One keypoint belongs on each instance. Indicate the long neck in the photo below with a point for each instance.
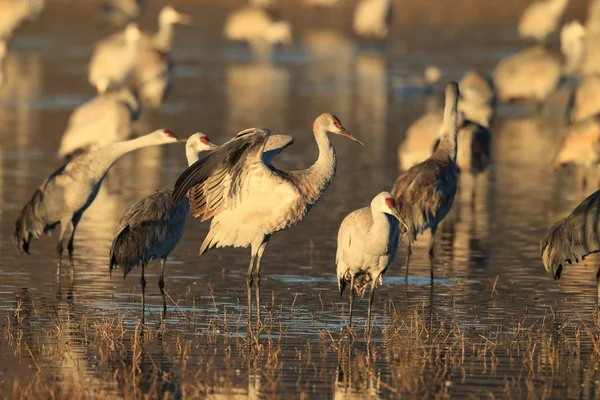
(574, 52)
(100, 161)
(317, 178)
(191, 155)
(163, 39)
(381, 223)
(448, 131)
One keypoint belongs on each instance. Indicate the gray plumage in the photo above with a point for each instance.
(425, 193)
(105, 119)
(573, 238)
(113, 63)
(151, 228)
(367, 244)
(70, 190)
(474, 150)
(248, 199)
(534, 73)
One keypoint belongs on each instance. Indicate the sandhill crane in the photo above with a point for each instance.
(257, 27)
(13, 13)
(534, 73)
(367, 244)
(474, 151)
(151, 228)
(112, 64)
(425, 193)
(105, 119)
(541, 18)
(121, 12)
(162, 40)
(477, 98)
(585, 99)
(71, 189)
(372, 18)
(573, 238)
(580, 146)
(249, 200)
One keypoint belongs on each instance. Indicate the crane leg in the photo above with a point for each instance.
(64, 226)
(261, 250)
(351, 300)
(432, 251)
(74, 223)
(371, 297)
(249, 287)
(143, 284)
(161, 286)
(408, 254)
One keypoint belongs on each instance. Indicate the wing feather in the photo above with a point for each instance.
(224, 178)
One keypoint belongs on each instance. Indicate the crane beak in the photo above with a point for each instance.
(399, 218)
(350, 136)
(213, 146)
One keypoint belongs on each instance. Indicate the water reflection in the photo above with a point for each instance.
(355, 375)
(257, 96)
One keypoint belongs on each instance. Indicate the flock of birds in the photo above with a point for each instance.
(248, 200)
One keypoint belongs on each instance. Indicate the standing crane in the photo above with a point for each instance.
(425, 193)
(154, 68)
(71, 189)
(113, 64)
(534, 73)
(367, 244)
(151, 228)
(249, 200)
(573, 238)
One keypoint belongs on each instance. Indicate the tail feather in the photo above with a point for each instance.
(127, 251)
(29, 224)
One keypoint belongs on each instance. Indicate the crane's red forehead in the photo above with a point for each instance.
(204, 139)
(391, 203)
(169, 133)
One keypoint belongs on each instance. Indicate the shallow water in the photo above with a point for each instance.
(492, 325)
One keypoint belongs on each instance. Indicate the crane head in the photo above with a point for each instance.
(332, 124)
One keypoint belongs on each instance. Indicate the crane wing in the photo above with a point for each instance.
(221, 179)
(574, 237)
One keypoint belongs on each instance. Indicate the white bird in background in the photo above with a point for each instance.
(113, 64)
(372, 18)
(151, 228)
(71, 189)
(541, 19)
(534, 73)
(573, 238)
(249, 200)
(257, 27)
(580, 147)
(425, 193)
(105, 119)
(367, 244)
